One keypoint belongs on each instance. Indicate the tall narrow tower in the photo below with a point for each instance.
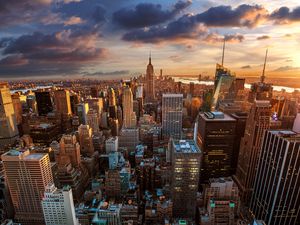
(150, 81)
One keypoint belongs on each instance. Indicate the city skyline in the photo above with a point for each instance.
(105, 39)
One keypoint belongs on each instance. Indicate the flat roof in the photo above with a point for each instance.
(186, 146)
(173, 95)
(217, 117)
(35, 156)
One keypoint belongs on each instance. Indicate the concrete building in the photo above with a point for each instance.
(85, 140)
(107, 214)
(129, 138)
(8, 123)
(172, 106)
(58, 206)
(186, 158)
(69, 151)
(62, 102)
(82, 111)
(150, 93)
(27, 177)
(112, 145)
(93, 121)
(216, 137)
(258, 121)
(129, 116)
(44, 102)
(275, 197)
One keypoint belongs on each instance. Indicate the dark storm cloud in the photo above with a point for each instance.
(242, 16)
(21, 11)
(263, 37)
(285, 15)
(184, 28)
(91, 10)
(147, 14)
(61, 50)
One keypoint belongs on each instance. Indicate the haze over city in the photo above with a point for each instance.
(112, 38)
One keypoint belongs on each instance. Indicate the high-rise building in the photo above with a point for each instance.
(27, 175)
(150, 93)
(275, 197)
(129, 117)
(82, 111)
(69, 151)
(8, 123)
(17, 107)
(93, 121)
(129, 138)
(44, 102)
(112, 145)
(62, 102)
(186, 158)
(216, 137)
(85, 140)
(58, 206)
(112, 107)
(258, 121)
(172, 105)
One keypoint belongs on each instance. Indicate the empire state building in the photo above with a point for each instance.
(150, 82)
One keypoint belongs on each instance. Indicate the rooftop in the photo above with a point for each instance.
(216, 116)
(186, 146)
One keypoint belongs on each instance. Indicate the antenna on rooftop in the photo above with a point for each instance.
(263, 77)
(223, 51)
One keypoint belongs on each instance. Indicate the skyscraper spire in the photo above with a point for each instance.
(263, 77)
(223, 51)
(150, 58)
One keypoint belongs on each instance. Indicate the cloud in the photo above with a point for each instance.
(15, 11)
(147, 14)
(246, 67)
(284, 15)
(13, 60)
(229, 38)
(286, 68)
(225, 16)
(57, 52)
(263, 37)
(113, 73)
(181, 29)
(90, 10)
(176, 58)
(73, 20)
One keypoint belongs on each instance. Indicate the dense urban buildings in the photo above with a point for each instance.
(148, 150)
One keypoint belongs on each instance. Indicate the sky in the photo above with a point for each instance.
(113, 38)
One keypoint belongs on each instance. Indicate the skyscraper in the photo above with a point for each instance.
(172, 105)
(58, 206)
(275, 197)
(150, 94)
(27, 176)
(44, 102)
(85, 140)
(93, 121)
(112, 107)
(82, 110)
(216, 137)
(8, 124)
(62, 102)
(258, 121)
(129, 117)
(186, 158)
